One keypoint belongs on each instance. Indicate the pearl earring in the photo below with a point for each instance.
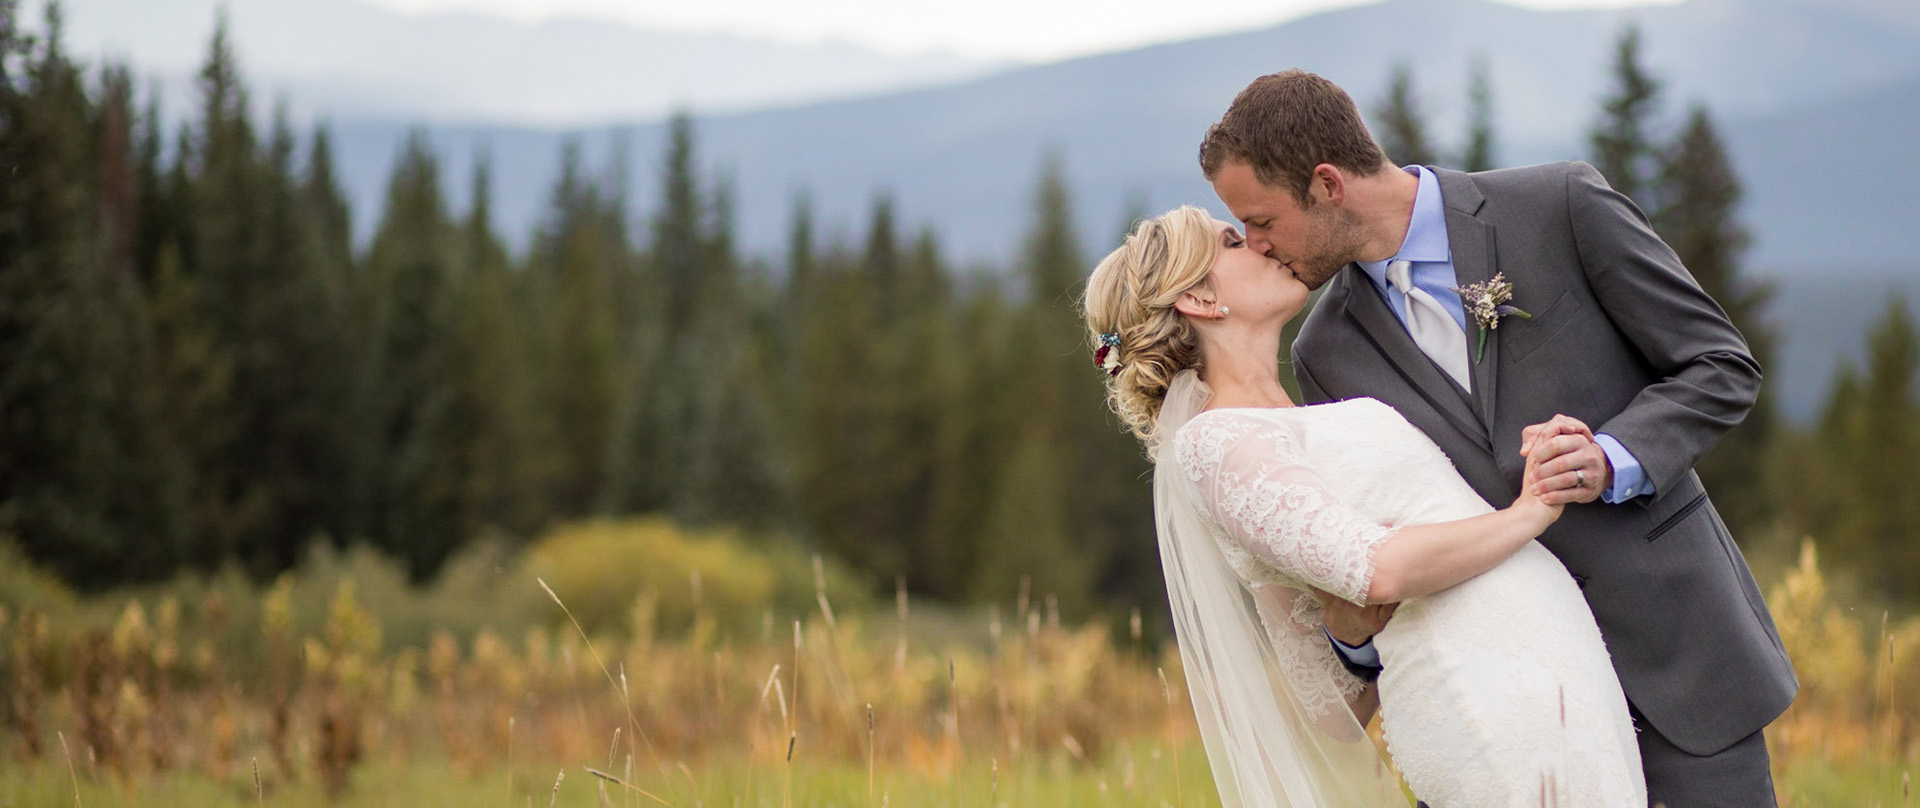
(1223, 311)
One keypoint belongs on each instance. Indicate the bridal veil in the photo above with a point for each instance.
(1265, 746)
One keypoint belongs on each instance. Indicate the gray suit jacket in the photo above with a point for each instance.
(1625, 340)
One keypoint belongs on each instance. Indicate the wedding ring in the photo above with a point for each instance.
(1579, 478)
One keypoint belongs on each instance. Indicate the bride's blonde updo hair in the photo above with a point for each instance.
(1131, 294)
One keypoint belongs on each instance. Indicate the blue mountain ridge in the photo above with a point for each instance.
(1816, 100)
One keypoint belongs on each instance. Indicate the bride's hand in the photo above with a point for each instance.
(1351, 624)
(1529, 504)
(1558, 425)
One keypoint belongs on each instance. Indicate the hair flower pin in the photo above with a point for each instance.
(1486, 303)
(1107, 356)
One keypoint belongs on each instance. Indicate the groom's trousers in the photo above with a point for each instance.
(1735, 777)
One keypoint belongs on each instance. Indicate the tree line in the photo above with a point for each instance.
(198, 367)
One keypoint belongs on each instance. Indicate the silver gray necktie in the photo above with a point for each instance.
(1433, 329)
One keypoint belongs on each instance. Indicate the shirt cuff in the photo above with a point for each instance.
(1365, 656)
(1629, 479)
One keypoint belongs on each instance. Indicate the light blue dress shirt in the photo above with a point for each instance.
(1431, 255)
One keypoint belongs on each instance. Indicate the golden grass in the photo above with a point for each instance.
(847, 704)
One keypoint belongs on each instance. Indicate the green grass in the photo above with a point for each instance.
(1130, 774)
(1053, 778)
(1813, 783)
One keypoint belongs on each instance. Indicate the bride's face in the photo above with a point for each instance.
(1256, 289)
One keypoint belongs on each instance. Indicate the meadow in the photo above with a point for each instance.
(627, 663)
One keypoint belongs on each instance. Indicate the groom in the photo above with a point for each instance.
(1621, 338)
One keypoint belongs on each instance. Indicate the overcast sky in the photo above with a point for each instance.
(1033, 30)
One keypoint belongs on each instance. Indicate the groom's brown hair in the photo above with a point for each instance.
(1284, 124)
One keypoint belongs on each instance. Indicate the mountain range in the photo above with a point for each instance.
(348, 59)
(1788, 81)
(1817, 100)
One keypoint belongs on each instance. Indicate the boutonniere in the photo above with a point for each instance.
(1486, 303)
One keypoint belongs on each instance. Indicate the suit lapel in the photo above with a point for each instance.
(1377, 323)
(1472, 244)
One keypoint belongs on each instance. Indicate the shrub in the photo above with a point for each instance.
(602, 568)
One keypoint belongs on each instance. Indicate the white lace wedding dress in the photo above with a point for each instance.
(1497, 691)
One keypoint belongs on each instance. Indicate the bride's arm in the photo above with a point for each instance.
(1423, 559)
(1274, 505)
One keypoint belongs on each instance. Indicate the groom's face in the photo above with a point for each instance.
(1313, 239)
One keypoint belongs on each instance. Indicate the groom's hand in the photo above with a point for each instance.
(1350, 624)
(1559, 425)
(1570, 466)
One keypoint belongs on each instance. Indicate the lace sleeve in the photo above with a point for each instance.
(1295, 627)
(1255, 483)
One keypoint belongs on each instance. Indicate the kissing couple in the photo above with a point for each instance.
(1518, 337)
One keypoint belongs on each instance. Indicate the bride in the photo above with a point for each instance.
(1497, 689)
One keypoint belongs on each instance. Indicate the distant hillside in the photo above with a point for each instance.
(1833, 185)
(1825, 319)
(350, 59)
(1817, 98)
(962, 158)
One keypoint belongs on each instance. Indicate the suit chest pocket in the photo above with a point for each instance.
(1519, 338)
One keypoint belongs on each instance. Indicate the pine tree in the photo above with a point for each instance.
(1478, 154)
(511, 451)
(409, 466)
(647, 469)
(235, 269)
(912, 351)
(1623, 146)
(323, 206)
(294, 415)
(801, 260)
(1402, 130)
(79, 484)
(1030, 528)
(1700, 193)
(187, 369)
(975, 372)
(156, 220)
(883, 260)
(678, 227)
(801, 285)
(646, 466)
(1849, 482)
(844, 408)
(1887, 515)
(732, 475)
(576, 261)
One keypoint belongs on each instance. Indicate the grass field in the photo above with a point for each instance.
(341, 686)
(1134, 775)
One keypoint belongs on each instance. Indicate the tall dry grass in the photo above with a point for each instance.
(149, 693)
(1859, 675)
(163, 687)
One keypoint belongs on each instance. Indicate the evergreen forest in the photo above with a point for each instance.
(202, 367)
